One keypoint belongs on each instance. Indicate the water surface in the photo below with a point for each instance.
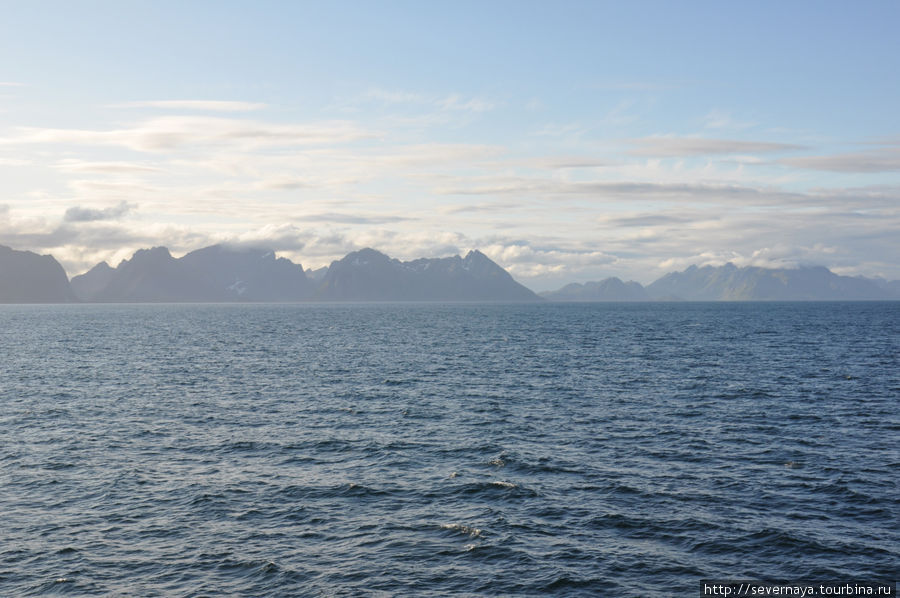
(421, 449)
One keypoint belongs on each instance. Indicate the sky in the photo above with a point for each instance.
(568, 141)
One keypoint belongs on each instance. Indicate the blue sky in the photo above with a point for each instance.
(568, 141)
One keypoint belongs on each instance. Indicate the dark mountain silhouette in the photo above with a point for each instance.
(609, 289)
(213, 274)
(27, 277)
(369, 275)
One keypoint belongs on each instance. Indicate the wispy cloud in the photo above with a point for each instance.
(718, 119)
(451, 102)
(174, 132)
(106, 188)
(287, 183)
(630, 190)
(395, 96)
(569, 130)
(201, 105)
(648, 86)
(495, 207)
(339, 218)
(457, 102)
(568, 162)
(12, 84)
(886, 160)
(674, 147)
(644, 220)
(82, 166)
(14, 162)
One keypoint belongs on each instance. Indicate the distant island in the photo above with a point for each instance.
(223, 273)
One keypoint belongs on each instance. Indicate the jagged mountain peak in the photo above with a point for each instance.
(369, 275)
(366, 256)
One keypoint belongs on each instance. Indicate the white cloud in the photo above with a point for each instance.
(523, 259)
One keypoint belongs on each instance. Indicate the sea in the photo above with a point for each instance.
(620, 449)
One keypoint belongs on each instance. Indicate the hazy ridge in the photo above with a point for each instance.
(731, 283)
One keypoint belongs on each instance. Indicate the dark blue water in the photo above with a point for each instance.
(345, 450)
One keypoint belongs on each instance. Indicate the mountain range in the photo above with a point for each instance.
(251, 274)
(731, 283)
(223, 273)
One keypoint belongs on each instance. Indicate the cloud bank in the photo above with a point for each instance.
(550, 208)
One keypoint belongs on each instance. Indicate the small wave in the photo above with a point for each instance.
(58, 465)
(252, 568)
(497, 488)
(395, 382)
(466, 530)
(504, 484)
